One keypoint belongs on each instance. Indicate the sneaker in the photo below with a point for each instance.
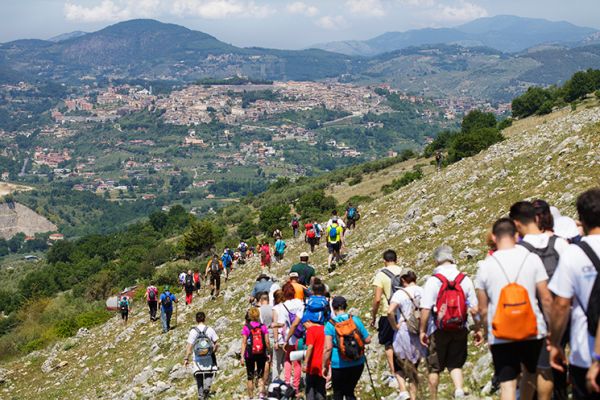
(459, 394)
(403, 396)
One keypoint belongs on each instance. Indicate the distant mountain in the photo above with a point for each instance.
(504, 32)
(155, 50)
(67, 36)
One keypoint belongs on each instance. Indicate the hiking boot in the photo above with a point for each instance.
(459, 394)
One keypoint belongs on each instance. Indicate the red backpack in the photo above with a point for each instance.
(451, 304)
(256, 340)
(311, 234)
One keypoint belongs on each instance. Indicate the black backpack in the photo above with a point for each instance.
(593, 307)
(396, 282)
(166, 302)
(548, 254)
(215, 268)
(189, 282)
(123, 306)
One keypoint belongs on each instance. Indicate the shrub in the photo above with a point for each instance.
(273, 217)
(505, 123)
(404, 180)
(92, 318)
(471, 143)
(530, 102)
(66, 328)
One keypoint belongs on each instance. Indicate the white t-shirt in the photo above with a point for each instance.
(282, 332)
(340, 222)
(405, 303)
(274, 287)
(210, 332)
(540, 241)
(574, 278)
(295, 306)
(492, 280)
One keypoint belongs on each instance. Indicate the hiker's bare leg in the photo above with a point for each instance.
(389, 356)
(433, 380)
(412, 390)
(250, 388)
(457, 378)
(508, 390)
(545, 384)
(527, 386)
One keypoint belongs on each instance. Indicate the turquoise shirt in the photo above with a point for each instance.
(336, 360)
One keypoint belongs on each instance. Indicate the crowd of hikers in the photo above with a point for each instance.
(534, 300)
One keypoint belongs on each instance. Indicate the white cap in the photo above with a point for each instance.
(565, 228)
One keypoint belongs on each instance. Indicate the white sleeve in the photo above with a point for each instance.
(562, 283)
(192, 336)
(480, 278)
(470, 292)
(430, 292)
(397, 297)
(560, 245)
(212, 334)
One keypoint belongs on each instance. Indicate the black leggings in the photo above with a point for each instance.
(344, 381)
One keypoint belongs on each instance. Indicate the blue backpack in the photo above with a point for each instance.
(333, 232)
(317, 310)
(351, 212)
(226, 260)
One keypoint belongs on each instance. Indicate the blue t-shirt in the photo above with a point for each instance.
(162, 299)
(336, 360)
(226, 259)
(280, 246)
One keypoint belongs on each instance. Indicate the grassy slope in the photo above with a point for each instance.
(553, 157)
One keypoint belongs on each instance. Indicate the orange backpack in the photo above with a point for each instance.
(350, 343)
(514, 318)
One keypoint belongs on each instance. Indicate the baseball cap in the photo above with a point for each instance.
(565, 228)
(294, 275)
(443, 254)
(263, 276)
(339, 302)
(304, 255)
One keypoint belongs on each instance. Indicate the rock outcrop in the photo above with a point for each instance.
(15, 218)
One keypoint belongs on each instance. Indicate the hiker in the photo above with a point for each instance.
(576, 289)
(197, 284)
(566, 228)
(227, 261)
(152, 300)
(263, 285)
(279, 335)
(279, 249)
(189, 287)
(124, 308)
(277, 234)
(352, 215)
(439, 159)
(295, 226)
(182, 278)
(243, 249)
(404, 317)
(266, 318)
(334, 235)
(265, 256)
(300, 291)
(535, 225)
(256, 351)
(166, 308)
(293, 309)
(345, 340)
(338, 220)
(446, 338)
(306, 273)
(202, 341)
(316, 314)
(214, 269)
(509, 282)
(318, 231)
(310, 236)
(382, 287)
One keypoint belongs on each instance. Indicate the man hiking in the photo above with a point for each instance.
(295, 226)
(334, 235)
(197, 281)
(214, 269)
(382, 287)
(152, 300)
(166, 308)
(189, 287)
(280, 247)
(124, 308)
(202, 344)
(509, 282)
(548, 248)
(306, 273)
(448, 296)
(345, 340)
(316, 313)
(439, 159)
(263, 285)
(352, 215)
(576, 287)
(277, 234)
(227, 261)
(310, 236)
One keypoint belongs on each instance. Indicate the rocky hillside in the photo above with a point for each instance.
(15, 218)
(554, 157)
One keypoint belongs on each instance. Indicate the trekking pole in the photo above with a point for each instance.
(371, 379)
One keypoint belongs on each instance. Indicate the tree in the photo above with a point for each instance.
(247, 230)
(467, 144)
(16, 242)
(578, 86)
(314, 203)
(273, 217)
(530, 102)
(477, 119)
(158, 220)
(200, 238)
(61, 251)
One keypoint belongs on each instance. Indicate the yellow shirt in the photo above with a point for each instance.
(381, 280)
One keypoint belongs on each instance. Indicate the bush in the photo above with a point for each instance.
(477, 119)
(597, 93)
(505, 123)
(315, 204)
(530, 102)
(468, 144)
(66, 328)
(92, 318)
(404, 180)
(545, 108)
(273, 217)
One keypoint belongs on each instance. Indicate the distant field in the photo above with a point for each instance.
(8, 188)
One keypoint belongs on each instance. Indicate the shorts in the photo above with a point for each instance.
(255, 367)
(334, 247)
(124, 315)
(508, 357)
(197, 285)
(447, 349)
(385, 333)
(544, 359)
(215, 280)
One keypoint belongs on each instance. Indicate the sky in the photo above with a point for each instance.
(278, 23)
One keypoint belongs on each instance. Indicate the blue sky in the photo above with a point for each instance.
(278, 23)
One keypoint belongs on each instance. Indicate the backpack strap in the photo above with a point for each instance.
(504, 272)
(529, 246)
(412, 299)
(591, 254)
(391, 276)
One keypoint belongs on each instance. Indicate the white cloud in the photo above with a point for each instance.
(118, 10)
(371, 8)
(299, 7)
(461, 12)
(331, 23)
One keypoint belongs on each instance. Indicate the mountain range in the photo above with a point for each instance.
(507, 33)
(475, 60)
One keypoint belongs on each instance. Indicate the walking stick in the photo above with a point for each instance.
(371, 378)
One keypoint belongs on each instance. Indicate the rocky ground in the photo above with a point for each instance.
(555, 158)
